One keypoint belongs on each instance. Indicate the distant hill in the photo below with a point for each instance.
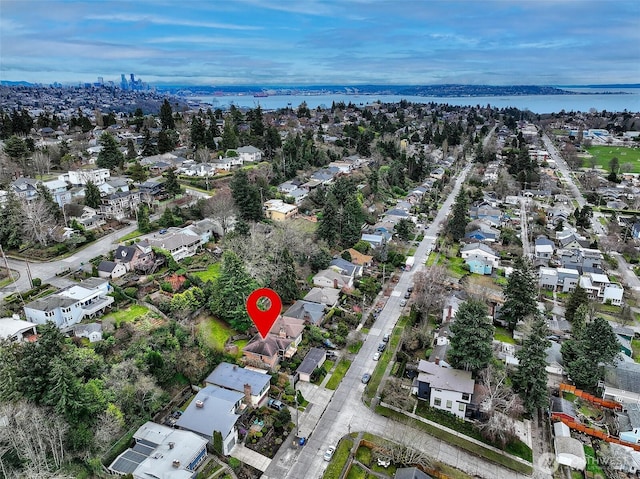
(16, 83)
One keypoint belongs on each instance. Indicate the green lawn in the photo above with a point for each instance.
(356, 472)
(385, 358)
(340, 458)
(604, 154)
(210, 274)
(338, 374)
(457, 267)
(353, 348)
(130, 236)
(635, 346)
(592, 462)
(216, 332)
(126, 315)
(502, 334)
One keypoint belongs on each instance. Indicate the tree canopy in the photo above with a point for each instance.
(519, 293)
(110, 156)
(472, 334)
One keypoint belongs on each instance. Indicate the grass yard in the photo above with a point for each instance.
(354, 347)
(385, 358)
(130, 236)
(340, 458)
(210, 274)
(604, 154)
(592, 463)
(338, 374)
(635, 346)
(125, 315)
(456, 267)
(304, 226)
(502, 334)
(356, 472)
(215, 332)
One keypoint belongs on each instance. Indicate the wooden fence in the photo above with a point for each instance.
(616, 406)
(594, 432)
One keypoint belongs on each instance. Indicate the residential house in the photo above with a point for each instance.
(181, 243)
(313, 360)
(558, 279)
(343, 166)
(137, 257)
(59, 191)
(543, 249)
(629, 422)
(267, 352)
(582, 259)
(214, 409)
(96, 176)
(329, 278)
(627, 459)
(71, 305)
(25, 188)
(111, 269)
(411, 473)
(326, 296)
(206, 228)
(289, 328)
(622, 382)
(598, 287)
(152, 192)
(249, 154)
(486, 212)
(288, 186)
(312, 313)
(483, 233)
(445, 388)
(359, 258)
(278, 210)
(113, 185)
(91, 331)
(346, 268)
(90, 218)
(555, 363)
(570, 240)
(624, 336)
(243, 380)
(375, 240)
(120, 205)
(161, 452)
(15, 329)
(480, 258)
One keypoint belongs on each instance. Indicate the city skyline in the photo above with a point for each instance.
(350, 42)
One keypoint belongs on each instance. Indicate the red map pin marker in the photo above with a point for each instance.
(264, 319)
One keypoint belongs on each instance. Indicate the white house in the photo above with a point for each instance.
(161, 451)
(111, 269)
(81, 177)
(446, 389)
(329, 278)
(71, 305)
(15, 329)
(249, 154)
(181, 243)
(214, 409)
(58, 189)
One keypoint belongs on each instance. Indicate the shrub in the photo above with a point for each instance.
(36, 282)
(234, 463)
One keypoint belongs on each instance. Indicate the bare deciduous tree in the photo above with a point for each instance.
(401, 451)
(500, 404)
(37, 221)
(41, 162)
(222, 208)
(429, 286)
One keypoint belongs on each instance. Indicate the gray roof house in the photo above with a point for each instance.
(314, 359)
(214, 409)
(311, 312)
(326, 296)
(235, 378)
(411, 473)
(622, 382)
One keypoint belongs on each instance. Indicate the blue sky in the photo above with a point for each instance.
(297, 42)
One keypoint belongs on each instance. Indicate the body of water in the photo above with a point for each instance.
(587, 100)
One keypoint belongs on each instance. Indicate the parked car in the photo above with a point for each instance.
(382, 347)
(376, 356)
(275, 404)
(386, 337)
(365, 378)
(403, 302)
(410, 289)
(407, 295)
(328, 454)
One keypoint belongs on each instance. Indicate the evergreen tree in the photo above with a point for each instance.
(166, 116)
(472, 335)
(232, 288)
(229, 136)
(149, 148)
(144, 223)
(530, 379)
(405, 229)
(459, 219)
(92, 195)
(131, 150)
(11, 222)
(16, 148)
(286, 281)
(165, 141)
(171, 185)
(110, 156)
(52, 207)
(586, 354)
(198, 133)
(519, 293)
(137, 173)
(246, 196)
(577, 298)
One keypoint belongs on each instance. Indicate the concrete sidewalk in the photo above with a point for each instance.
(250, 457)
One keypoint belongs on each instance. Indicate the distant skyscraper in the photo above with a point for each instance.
(101, 80)
(123, 82)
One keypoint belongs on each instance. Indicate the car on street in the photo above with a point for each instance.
(382, 347)
(410, 289)
(365, 378)
(328, 454)
(403, 302)
(407, 295)
(376, 356)
(386, 337)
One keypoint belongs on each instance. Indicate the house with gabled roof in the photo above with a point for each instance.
(243, 380)
(359, 258)
(345, 267)
(622, 382)
(313, 360)
(329, 278)
(445, 388)
(268, 352)
(327, 296)
(214, 409)
(16, 329)
(111, 269)
(312, 313)
(480, 258)
(249, 154)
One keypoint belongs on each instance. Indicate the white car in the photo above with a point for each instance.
(376, 356)
(328, 454)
